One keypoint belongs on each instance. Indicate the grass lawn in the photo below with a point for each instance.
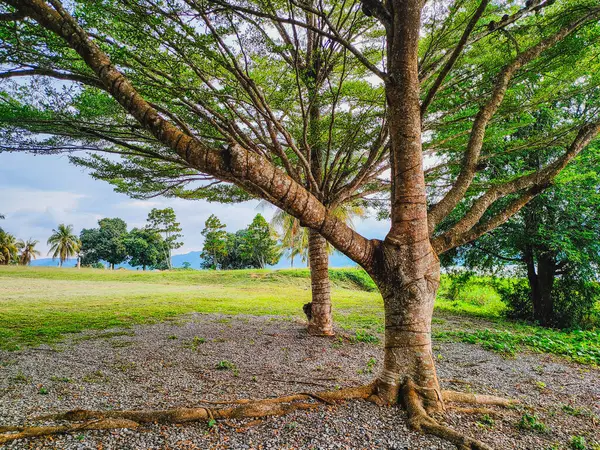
(42, 305)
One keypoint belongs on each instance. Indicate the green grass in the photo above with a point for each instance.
(43, 305)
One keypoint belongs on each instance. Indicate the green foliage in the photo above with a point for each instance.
(364, 336)
(225, 365)
(516, 294)
(259, 247)
(195, 343)
(554, 241)
(458, 281)
(214, 249)
(580, 346)
(252, 247)
(574, 301)
(570, 410)
(165, 221)
(145, 247)
(578, 443)
(63, 243)
(106, 243)
(486, 420)
(8, 248)
(532, 422)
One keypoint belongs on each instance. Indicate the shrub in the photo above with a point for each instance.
(516, 294)
(458, 281)
(574, 301)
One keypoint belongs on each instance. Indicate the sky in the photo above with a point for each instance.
(37, 192)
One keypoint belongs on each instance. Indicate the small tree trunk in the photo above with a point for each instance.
(320, 321)
(544, 313)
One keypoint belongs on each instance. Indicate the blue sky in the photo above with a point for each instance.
(39, 192)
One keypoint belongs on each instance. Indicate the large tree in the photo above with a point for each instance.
(554, 240)
(145, 247)
(105, 243)
(165, 221)
(260, 247)
(202, 98)
(214, 249)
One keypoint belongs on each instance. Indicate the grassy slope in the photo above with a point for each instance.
(41, 305)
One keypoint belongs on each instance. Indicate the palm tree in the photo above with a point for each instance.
(28, 251)
(63, 243)
(295, 238)
(315, 250)
(8, 248)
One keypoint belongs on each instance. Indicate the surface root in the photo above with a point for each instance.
(477, 399)
(103, 420)
(419, 420)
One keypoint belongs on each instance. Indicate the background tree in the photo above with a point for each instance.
(27, 251)
(145, 247)
(214, 249)
(297, 241)
(206, 98)
(259, 247)
(8, 248)
(165, 221)
(106, 243)
(64, 244)
(554, 241)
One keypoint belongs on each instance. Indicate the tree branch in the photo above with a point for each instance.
(453, 57)
(468, 228)
(471, 157)
(54, 74)
(235, 164)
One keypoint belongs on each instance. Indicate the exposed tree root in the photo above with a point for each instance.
(246, 408)
(419, 419)
(12, 433)
(477, 399)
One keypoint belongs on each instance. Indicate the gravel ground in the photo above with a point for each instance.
(175, 363)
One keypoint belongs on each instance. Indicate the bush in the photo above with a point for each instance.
(516, 294)
(574, 301)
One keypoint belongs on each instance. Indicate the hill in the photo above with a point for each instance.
(335, 260)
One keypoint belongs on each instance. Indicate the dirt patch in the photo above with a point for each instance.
(215, 357)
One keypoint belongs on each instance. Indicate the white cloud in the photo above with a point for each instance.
(39, 192)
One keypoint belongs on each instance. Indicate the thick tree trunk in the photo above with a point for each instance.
(408, 286)
(320, 321)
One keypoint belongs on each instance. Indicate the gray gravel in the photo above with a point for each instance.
(175, 363)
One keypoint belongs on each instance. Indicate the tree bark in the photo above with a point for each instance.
(408, 296)
(541, 284)
(320, 322)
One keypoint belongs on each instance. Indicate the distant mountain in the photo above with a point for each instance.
(49, 262)
(335, 260)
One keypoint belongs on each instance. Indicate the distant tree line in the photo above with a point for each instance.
(253, 247)
(147, 247)
(16, 251)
